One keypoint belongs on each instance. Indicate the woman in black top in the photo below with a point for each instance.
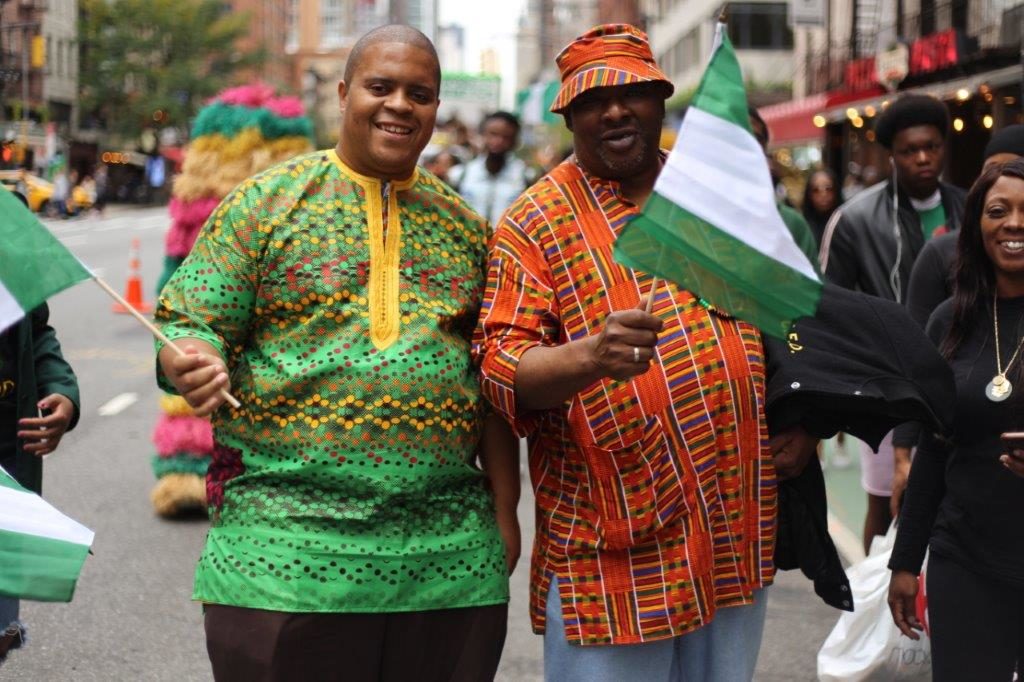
(965, 498)
(821, 199)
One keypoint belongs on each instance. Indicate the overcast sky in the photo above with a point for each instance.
(487, 24)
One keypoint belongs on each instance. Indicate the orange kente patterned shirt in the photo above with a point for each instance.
(656, 497)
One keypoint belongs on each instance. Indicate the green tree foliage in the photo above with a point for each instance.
(154, 62)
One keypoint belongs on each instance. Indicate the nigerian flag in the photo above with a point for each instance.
(712, 224)
(33, 264)
(41, 550)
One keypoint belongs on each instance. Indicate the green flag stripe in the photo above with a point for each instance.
(721, 89)
(670, 242)
(7, 481)
(33, 264)
(39, 568)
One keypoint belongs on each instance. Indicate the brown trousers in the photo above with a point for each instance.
(448, 645)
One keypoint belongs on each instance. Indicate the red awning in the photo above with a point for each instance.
(791, 122)
(851, 98)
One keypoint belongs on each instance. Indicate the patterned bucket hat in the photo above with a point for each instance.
(611, 54)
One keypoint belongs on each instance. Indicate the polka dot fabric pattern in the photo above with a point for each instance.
(346, 482)
(245, 130)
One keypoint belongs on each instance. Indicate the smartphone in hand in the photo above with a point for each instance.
(1013, 458)
(1013, 440)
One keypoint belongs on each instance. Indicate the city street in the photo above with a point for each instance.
(132, 618)
(657, 180)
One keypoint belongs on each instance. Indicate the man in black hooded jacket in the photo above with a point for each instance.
(871, 242)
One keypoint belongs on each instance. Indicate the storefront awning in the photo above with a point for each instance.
(792, 122)
(837, 105)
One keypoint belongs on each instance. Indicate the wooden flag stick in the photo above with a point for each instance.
(650, 297)
(156, 332)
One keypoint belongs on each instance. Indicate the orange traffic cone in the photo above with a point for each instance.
(133, 290)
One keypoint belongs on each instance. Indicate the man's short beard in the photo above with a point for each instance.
(628, 166)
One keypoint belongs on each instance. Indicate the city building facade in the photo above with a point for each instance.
(268, 33)
(682, 31)
(319, 35)
(856, 56)
(38, 78)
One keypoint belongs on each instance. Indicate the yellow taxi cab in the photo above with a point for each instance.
(38, 191)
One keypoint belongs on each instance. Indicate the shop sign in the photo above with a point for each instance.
(934, 52)
(931, 53)
(860, 74)
(807, 12)
(892, 66)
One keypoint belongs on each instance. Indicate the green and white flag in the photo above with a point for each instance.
(41, 550)
(712, 225)
(33, 264)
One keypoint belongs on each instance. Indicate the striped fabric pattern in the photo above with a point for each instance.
(611, 54)
(656, 498)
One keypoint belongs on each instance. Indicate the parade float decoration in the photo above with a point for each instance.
(241, 132)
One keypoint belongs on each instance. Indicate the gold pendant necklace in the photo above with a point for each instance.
(1000, 388)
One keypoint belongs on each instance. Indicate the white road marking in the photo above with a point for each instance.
(60, 229)
(155, 219)
(118, 404)
(74, 240)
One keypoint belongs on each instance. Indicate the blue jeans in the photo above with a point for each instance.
(725, 650)
(8, 612)
(8, 617)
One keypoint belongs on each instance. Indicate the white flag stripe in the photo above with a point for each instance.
(718, 172)
(10, 309)
(27, 513)
(716, 42)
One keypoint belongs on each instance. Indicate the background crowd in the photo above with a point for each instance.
(657, 467)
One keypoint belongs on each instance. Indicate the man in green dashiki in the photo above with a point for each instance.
(336, 295)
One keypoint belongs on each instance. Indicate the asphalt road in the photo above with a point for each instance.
(132, 617)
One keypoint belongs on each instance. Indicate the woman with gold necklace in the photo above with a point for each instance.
(965, 499)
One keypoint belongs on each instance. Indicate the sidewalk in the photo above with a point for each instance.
(847, 501)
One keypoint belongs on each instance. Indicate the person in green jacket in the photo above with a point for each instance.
(795, 223)
(38, 405)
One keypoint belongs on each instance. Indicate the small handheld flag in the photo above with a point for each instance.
(712, 224)
(33, 264)
(41, 550)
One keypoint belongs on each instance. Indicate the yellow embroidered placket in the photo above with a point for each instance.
(385, 247)
(385, 250)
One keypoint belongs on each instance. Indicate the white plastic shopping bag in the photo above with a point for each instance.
(866, 644)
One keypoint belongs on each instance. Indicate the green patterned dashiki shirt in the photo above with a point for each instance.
(345, 483)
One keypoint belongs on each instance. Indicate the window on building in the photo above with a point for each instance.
(691, 51)
(60, 57)
(760, 26)
(665, 61)
(684, 53)
(959, 18)
(291, 43)
(927, 17)
(664, 7)
(331, 16)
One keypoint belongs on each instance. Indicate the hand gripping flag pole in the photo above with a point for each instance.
(34, 265)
